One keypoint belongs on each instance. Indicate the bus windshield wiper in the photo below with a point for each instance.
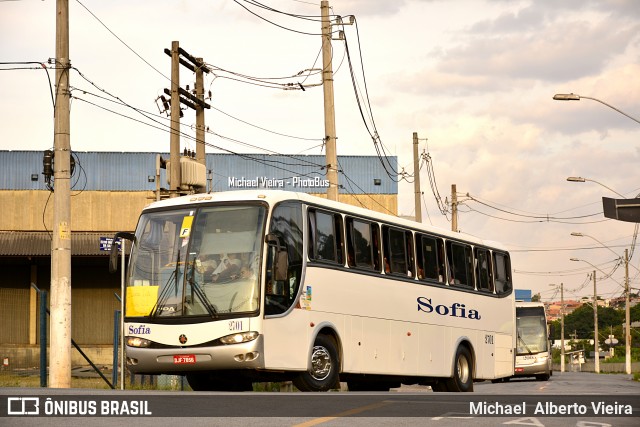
(524, 343)
(197, 289)
(164, 295)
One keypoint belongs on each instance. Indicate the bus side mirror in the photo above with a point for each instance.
(551, 331)
(113, 255)
(281, 262)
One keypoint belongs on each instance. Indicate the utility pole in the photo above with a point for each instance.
(561, 327)
(595, 324)
(416, 178)
(454, 208)
(329, 105)
(60, 353)
(200, 151)
(196, 102)
(174, 149)
(627, 329)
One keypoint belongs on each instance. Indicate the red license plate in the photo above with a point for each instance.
(180, 359)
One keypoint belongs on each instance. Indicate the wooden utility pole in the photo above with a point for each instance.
(454, 208)
(416, 178)
(60, 353)
(329, 105)
(595, 324)
(174, 149)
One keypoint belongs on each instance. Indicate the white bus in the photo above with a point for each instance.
(533, 350)
(238, 287)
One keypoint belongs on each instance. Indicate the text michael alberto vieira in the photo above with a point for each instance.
(550, 408)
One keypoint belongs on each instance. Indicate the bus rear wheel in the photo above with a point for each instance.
(323, 374)
(462, 380)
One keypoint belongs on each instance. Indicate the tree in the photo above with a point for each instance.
(536, 297)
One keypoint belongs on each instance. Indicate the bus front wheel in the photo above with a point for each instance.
(462, 380)
(323, 374)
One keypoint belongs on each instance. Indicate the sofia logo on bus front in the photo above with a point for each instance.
(139, 330)
(454, 310)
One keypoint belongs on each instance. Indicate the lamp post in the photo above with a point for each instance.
(576, 97)
(581, 179)
(627, 321)
(561, 325)
(595, 317)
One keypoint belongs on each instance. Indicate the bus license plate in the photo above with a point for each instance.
(180, 359)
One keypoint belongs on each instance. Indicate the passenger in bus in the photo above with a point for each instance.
(229, 269)
(206, 264)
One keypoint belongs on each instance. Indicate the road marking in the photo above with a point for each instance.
(451, 415)
(343, 414)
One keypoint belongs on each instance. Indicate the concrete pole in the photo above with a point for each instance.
(561, 327)
(60, 357)
(416, 178)
(200, 148)
(329, 105)
(174, 154)
(454, 208)
(627, 322)
(595, 324)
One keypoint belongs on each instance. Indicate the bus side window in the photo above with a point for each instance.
(360, 244)
(326, 242)
(502, 273)
(484, 277)
(395, 251)
(429, 255)
(461, 265)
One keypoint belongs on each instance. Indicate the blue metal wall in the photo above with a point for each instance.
(111, 171)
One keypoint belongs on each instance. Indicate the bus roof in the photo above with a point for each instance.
(529, 304)
(273, 197)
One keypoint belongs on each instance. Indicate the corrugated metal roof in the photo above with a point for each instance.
(113, 171)
(38, 243)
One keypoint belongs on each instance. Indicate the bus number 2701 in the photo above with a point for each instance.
(488, 339)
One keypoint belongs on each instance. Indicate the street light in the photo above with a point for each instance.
(627, 321)
(581, 179)
(561, 324)
(595, 316)
(575, 97)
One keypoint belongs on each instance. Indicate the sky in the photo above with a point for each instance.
(474, 79)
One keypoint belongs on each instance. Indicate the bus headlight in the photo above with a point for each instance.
(240, 337)
(138, 342)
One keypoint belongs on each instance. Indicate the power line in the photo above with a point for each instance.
(122, 41)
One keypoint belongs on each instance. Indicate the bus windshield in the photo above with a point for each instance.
(532, 331)
(196, 262)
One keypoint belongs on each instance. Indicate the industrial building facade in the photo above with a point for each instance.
(108, 192)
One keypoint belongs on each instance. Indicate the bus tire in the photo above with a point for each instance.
(323, 375)
(543, 377)
(462, 380)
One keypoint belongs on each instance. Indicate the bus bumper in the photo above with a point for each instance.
(177, 360)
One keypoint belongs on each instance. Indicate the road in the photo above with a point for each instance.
(410, 406)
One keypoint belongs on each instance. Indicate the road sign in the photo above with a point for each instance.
(106, 242)
(627, 210)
